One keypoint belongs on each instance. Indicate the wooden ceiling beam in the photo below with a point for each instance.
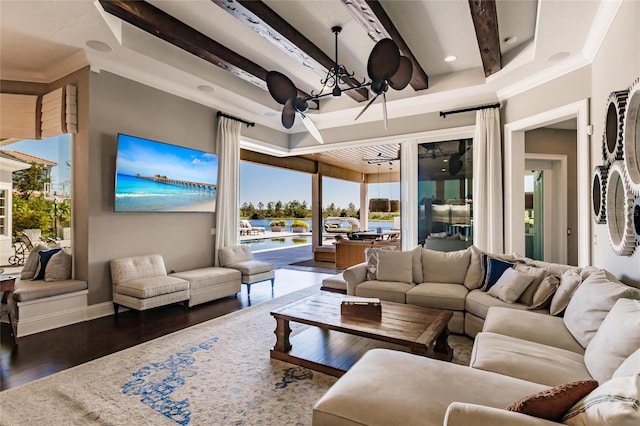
(149, 18)
(378, 25)
(485, 21)
(263, 20)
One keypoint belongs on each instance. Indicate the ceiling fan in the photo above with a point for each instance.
(385, 67)
(379, 159)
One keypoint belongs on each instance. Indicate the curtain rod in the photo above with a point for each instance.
(443, 114)
(248, 123)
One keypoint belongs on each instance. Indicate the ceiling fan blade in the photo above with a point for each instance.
(384, 60)
(281, 88)
(289, 113)
(384, 110)
(402, 77)
(311, 127)
(366, 107)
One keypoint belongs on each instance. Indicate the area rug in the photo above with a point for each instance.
(218, 372)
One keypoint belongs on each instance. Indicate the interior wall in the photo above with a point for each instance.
(563, 142)
(118, 105)
(615, 67)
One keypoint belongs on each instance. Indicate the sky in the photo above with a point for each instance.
(260, 183)
(148, 158)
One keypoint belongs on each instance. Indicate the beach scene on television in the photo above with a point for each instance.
(154, 176)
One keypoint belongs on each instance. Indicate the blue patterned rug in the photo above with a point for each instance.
(214, 373)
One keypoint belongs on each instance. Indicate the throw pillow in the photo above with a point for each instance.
(445, 267)
(511, 285)
(526, 298)
(591, 303)
(612, 403)
(545, 291)
(552, 404)
(554, 268)
(59, 267)
(629, 366)
(45, 256)
(31, 264)
(616, 339)
(569, 282)
(371, 256)
(395, 266)
(495, 268)
(473, 278)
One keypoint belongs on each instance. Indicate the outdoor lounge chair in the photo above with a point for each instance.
(247, 229)
(24, 244)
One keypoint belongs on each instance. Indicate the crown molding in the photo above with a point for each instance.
(607, 11)
(70, 64)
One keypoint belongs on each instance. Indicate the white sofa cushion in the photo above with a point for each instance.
(616, 339)
(525, 360)
(473, 277)
(393, 291)
(395, 266)
(478, 303)
(591, 303)
(59, 267)
(548, 330)
(612, 403)
(511, 285)
(251, 267)
(438, 295)
(388, 387)
(144, 288)
(569, 282)
(445, 267)
(234, 254)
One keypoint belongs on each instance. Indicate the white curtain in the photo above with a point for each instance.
(227, 212)
(488, 213)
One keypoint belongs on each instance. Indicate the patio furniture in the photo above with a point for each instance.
(253, 271)
(246, 228)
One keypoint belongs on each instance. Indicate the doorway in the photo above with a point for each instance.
(546, 230)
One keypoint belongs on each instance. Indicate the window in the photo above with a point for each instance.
(445, 182)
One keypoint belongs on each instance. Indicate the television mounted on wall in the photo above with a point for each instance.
(154, 176)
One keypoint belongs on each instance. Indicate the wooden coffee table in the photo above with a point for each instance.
(336, 342)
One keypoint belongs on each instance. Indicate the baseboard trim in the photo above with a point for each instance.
(99, 310)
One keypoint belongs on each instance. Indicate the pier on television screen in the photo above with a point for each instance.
(154, 176)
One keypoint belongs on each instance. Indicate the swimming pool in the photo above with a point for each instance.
(272, 243)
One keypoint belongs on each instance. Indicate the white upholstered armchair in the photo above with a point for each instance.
(241, 259)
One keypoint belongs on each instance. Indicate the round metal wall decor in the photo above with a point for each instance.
(612, 139)
(632, 138)
(635, 216)
(619, 211)
(598, 191)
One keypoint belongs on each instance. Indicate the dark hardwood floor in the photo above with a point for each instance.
(42, 354)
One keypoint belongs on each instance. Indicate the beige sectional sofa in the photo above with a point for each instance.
(518, 355)
(453, 281)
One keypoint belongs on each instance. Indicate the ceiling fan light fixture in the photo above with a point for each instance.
(386, 68)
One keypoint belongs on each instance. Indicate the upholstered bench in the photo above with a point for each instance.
(141, 282)
(206, 284)
(43, 305)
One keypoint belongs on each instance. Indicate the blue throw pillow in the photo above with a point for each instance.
(495, 269)
(42, 264)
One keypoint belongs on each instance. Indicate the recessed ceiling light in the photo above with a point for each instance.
(98, 45)
(205, 88)
(446, 160)
(558, 56)
(443, 169)
(511, 39)
(450, 58)
(270, 114)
